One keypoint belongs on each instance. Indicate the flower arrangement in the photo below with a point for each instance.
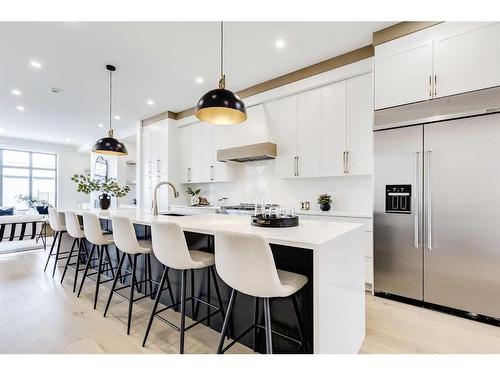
(110, 186)
(33, 202)
(192, 192)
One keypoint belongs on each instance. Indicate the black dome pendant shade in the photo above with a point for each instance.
(221, 106)
(110, 145)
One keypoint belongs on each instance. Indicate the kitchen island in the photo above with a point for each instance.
(330, 254)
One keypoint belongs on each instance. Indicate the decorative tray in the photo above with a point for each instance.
(275, 222)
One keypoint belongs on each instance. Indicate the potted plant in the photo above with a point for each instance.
(325, 201)
(195, 199)
(35, 203)
(108, 188)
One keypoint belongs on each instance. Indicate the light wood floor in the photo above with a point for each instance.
(39, 315)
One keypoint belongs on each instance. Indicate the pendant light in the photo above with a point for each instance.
(221, 106)
(110, 145)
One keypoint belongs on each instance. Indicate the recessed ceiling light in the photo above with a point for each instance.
(199, 80)
(2, 130)
(68, 140)
(15, 92)
(117, 117)
(35, 64)
(100, 125)
(20, 108)
(150, 102)
(280, 43)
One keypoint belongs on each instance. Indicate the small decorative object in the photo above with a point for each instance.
(41, 205)
(305, 205)
(195, 199)
(325, 201)
(108, 188)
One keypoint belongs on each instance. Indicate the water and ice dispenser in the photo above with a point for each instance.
(398, 199)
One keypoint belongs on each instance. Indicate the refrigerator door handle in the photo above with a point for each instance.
(416, 205)
(429, 201)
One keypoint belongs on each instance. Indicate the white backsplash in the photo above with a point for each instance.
(256, 181)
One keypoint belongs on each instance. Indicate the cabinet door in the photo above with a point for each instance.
(185, 153)
(146, 149)
(147, 197)
(404, 77)
(308, 133)
(333, 129)
(359, 157)
(207, 152)
(219, 171)
(195, 153)
(468, 61)
(283, 114)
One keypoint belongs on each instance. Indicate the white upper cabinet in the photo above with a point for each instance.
(308, 133)
(199, 143)
(333, 129)
(359, 146)
(283, 113)
(447, 59)
(405, 77)
(467, 62)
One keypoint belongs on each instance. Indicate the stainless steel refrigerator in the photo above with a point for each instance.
(437, 203)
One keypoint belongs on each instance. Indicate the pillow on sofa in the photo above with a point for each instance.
(6, 211)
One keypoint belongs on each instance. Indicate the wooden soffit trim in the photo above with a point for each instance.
(159, 117)
(400, 29)
(309, 71)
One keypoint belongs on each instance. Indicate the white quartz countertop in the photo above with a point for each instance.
(309, 233)
(331, 213)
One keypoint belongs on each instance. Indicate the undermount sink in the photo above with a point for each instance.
(171, 214)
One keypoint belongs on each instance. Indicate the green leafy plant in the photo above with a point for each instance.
(110, 186)
(324, 198)
(33, 202)
(192, 192)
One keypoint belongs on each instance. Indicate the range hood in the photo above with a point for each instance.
(473, 103)
(257, 151)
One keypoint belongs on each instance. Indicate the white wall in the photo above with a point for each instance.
(127, 173)
(257, 181)
(69, 162)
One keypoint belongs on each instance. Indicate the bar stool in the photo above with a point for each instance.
(74, 230)
(58, 225)
(93, 234)
(170, 248)
(126, 241)
(245, 263)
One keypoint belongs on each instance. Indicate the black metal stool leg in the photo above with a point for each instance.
(255, 322)
(100, 252)
(155, 305)
(169, 288)
(117, 276)
(68, 259)
(51, 250)
(219, 299)
(192, 296)
(300, 323)
(131, 296)
(118, 257)
(209, 297)
(87, 266)
(269, 333)
(148, 258)
(77, 268)
(183, 311)
(57, 254)
(110, 263)
(225, 325)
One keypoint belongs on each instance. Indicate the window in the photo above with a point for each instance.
(27, 173)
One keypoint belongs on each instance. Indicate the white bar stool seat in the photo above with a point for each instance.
(93, 234)
(170, 248)
(126, 241)
(58, 225)
(245, 262)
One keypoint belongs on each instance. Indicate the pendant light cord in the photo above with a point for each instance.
(110, 101)
(222, 82)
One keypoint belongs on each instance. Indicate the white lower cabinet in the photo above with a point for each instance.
(368, 242)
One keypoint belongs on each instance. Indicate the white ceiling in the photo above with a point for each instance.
(155, 60)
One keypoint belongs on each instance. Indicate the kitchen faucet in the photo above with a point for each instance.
(155, 195)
